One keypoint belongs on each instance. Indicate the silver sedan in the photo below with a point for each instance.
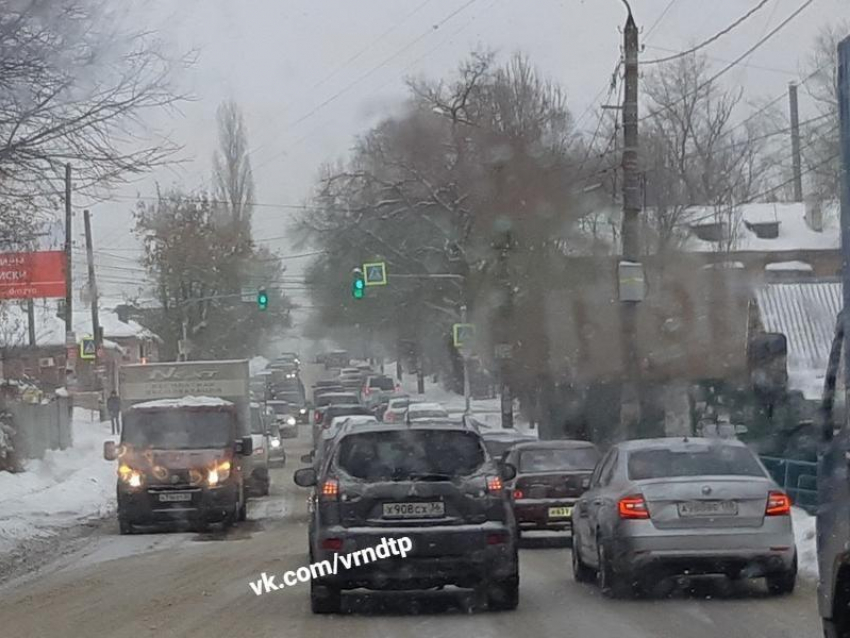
(665, 507)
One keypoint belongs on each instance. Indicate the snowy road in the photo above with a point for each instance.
(187, 584)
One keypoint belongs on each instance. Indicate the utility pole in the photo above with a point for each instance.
(69, 280)
(31, 321)
(844, 114)
(630, 398)
(95, 319)
(795, 143)
(465, 358)
(504, 347)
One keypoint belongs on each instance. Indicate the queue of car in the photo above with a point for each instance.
(466, 492)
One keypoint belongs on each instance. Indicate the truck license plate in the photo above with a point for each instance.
(175, 497)
(434, 509)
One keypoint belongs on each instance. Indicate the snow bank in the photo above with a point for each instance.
(184, 402)
(804, 533)
(63, 489)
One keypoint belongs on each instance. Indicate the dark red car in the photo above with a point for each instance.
(551, 476)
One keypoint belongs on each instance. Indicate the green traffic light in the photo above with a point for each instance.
(358, 287)
(262, 299)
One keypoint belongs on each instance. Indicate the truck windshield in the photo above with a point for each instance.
(178, 429)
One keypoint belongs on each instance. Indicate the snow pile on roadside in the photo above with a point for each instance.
(804, 533)
(61, 490)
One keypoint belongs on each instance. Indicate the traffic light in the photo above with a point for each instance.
(358, 284)
(262, 299)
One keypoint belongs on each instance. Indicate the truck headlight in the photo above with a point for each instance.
(131, 477)
(218, 473)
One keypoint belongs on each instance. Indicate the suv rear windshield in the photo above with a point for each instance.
(582, 458)
(403, 455)
(716, 460)
(382, 383)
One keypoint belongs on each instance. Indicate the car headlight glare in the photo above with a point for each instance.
(290, 420)
(130, 476)
(275, 442)
(219, 473)
(303, 410)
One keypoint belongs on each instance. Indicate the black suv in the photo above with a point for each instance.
(432, 482)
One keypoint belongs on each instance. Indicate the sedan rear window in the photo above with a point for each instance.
(382, 383)
(404, 455)
(716, 460)
(582, 458)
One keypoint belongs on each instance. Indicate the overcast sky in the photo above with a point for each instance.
(310, 75)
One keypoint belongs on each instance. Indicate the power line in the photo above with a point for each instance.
(759, 67)
(734, 63)
(713, 38)
(660, 17)
(370, 72)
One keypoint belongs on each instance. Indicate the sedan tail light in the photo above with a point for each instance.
(778, 504)
(518, 495)
(633, 507)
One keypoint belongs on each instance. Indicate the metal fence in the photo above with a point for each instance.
(40, 427)
(797, 478)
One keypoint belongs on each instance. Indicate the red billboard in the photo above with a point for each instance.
(33, 275)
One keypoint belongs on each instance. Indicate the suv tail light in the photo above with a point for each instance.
(778, 504)
(494, 484)
(317, 417)
(330, 489)
(633, 507)
(333, 544)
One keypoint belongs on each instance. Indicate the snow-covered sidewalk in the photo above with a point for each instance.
(64, 489)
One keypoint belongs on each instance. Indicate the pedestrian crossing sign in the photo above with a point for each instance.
(375, 274)
(87, 348)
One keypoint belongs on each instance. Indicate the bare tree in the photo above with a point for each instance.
(74, 87)
(821, 145)
(232, 176)
(694, 152)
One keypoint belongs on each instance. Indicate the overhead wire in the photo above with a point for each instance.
(710, 40)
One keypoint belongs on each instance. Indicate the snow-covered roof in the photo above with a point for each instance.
(184, 402)
(805, 313)
(789, 266)
(50, 329)
(794, 232)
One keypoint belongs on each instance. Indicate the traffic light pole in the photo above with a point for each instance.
(465, 357)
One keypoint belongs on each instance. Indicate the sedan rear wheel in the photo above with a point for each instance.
(613, 585)
(783, 583)
(581, 572)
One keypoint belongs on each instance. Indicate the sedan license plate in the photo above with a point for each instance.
(693, 509)
(175, 497)
(560, 512)
(434, 509)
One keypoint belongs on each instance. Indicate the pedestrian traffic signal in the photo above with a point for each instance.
(262, 299)
(358, 284)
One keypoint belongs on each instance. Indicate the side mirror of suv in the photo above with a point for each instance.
(305, 477)
(508, 472)
(110, 452)
(245, 446)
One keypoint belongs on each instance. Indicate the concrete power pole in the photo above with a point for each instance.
(630, 399)
(69, 279)
(795, 143)
(95, 319)
(844, 114)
